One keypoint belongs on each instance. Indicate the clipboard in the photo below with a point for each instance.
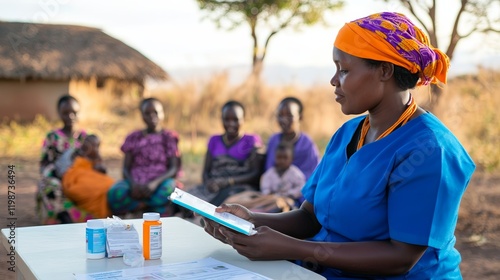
(207, 210)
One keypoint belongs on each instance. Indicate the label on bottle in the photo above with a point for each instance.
(96, 240)
(155, 242)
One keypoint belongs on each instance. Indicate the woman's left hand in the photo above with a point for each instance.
(151, 188)
(136, 191)
(212, 186)
(266, 244)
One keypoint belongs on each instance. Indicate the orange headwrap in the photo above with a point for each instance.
(393, 38)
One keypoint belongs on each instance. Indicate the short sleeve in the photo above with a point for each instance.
(425, 189)
(129, 143)
(48, 142)
(81, 137)
(310, 156)
(171, 140)
(212, 143)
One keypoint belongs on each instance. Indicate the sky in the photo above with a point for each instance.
(174, 34)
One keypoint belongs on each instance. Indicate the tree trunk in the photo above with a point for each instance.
(257, 69)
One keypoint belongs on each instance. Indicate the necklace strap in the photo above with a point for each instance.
(403, 119)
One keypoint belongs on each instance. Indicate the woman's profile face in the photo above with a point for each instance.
(357, 85)
(152, 114)
(288, 117)
(68, 112)
(232, 119)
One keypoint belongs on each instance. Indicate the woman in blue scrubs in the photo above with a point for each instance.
(383, 202)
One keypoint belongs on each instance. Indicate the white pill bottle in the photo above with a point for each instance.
(96, 239)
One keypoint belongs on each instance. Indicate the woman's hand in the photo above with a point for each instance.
(135, 191)
(139, 191)
(237, 210)
(151, 188)
(266, 244)
(212, 227)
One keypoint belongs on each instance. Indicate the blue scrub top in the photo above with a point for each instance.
(406, 186)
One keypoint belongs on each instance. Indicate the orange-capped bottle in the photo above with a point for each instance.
(151, 236)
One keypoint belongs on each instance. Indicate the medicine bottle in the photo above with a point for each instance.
(151, 236)
(95, 234)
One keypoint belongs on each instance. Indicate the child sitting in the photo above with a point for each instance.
(284, 178)
(280, 186)
(89, 149)
(85, 181)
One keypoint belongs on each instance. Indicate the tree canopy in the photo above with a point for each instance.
(266, 17)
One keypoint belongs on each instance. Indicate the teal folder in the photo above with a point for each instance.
(207, 210)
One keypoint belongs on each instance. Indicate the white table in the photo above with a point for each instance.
(58, 252)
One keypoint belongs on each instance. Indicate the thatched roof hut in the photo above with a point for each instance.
(68, 55)
(58, 52)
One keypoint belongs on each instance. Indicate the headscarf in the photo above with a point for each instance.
(392, 37)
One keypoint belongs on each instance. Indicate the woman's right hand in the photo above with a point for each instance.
(212, 227)
(237, 210)
(137, 191)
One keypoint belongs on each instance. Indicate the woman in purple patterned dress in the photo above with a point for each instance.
(152, 162)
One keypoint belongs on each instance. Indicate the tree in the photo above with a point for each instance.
(473, 16)
(266, 15)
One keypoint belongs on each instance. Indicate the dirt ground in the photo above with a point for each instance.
(478, 230)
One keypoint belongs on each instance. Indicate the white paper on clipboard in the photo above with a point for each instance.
(207, 210)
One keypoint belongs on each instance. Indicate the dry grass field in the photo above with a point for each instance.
(468, 107)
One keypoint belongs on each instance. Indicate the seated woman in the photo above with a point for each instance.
(51, 205)
(152, 162)
(384, 201)
(232, 162)
(85, 181)
(305, 151)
